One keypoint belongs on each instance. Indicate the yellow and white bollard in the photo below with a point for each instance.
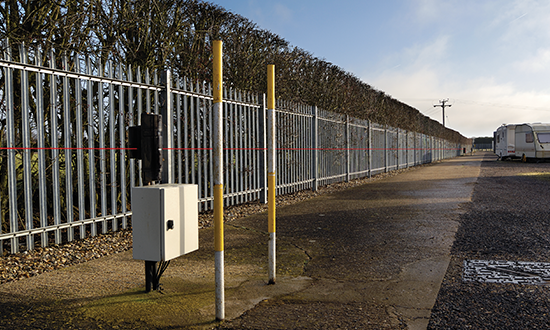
(271, 171)
(218, 179)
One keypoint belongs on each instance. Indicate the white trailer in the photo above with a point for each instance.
(524, 141)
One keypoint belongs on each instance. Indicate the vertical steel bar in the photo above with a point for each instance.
(102, 156)
(200, 137)
(91, 153)
(122, 154)
(179, 136)
(347, 149)
(210, 146)
(227, 144)
(255, 153)
(204, 159)
(304, 145)
(397, 148)
(369, 148)
(40, 137)
(192, 124)
(131, 114)
(385, 149)
(156, 92)
(187, 164)
(112, 145)
(240, 152)
(291, 122)
(246, 143)
(25, 117)
(68, 152)
(407, 149)
(233, 136)
(138, 116)
(12, 173)
(168, 128)
(218, 180)
(80, 151)
(148, 93)
(315, 147)
(5, 90)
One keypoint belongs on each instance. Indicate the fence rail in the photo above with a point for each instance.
(64, 166)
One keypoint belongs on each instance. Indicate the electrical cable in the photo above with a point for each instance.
(160, 270)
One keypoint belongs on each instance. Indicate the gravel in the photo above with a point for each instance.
(507, 220)
(34, 262)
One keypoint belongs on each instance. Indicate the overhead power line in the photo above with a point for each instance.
(443, 105)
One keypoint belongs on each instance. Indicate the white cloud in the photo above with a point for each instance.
(523, 21)
(479, 105)
(500, 79)
(416, 57)
(537, 63)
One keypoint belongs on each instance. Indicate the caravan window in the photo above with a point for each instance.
(543, 137)
(529, 138)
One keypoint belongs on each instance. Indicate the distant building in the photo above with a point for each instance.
(483, 143)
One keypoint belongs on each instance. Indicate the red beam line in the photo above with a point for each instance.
(20, 148)
(248, 149)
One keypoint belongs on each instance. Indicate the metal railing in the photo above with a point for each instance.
(64, 166)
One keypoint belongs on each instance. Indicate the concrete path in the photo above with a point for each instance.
(370, 257)
(378, 253)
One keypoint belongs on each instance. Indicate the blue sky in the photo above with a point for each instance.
(490, 58)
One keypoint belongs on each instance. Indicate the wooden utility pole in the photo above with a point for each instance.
(443, 105)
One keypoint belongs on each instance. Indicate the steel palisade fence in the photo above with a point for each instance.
(64, 166)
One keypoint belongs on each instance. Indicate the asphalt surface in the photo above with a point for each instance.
(370, 257)
(378, 252)
(507, 228)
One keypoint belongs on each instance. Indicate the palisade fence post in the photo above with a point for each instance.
(55, 152)
(167, 127)
(122, 154)
(102, 157)
(67, 133)
(263, 148)
(398, 149)
(79, 146)
(112, 145)
(26, 139)
(315, 148)
(415, 146)
(91, 153)
(347, 149)
(218, 179)
(385, 148)
(12, 176)
(271, 171)
(369, 151)
(3, 43)
(42, 191)
(432, 146)
(407, 147)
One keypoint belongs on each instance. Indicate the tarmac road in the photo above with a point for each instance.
(378, 252)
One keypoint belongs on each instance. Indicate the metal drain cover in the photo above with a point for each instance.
(517, 272)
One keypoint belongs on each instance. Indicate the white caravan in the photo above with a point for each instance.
(525, 141)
